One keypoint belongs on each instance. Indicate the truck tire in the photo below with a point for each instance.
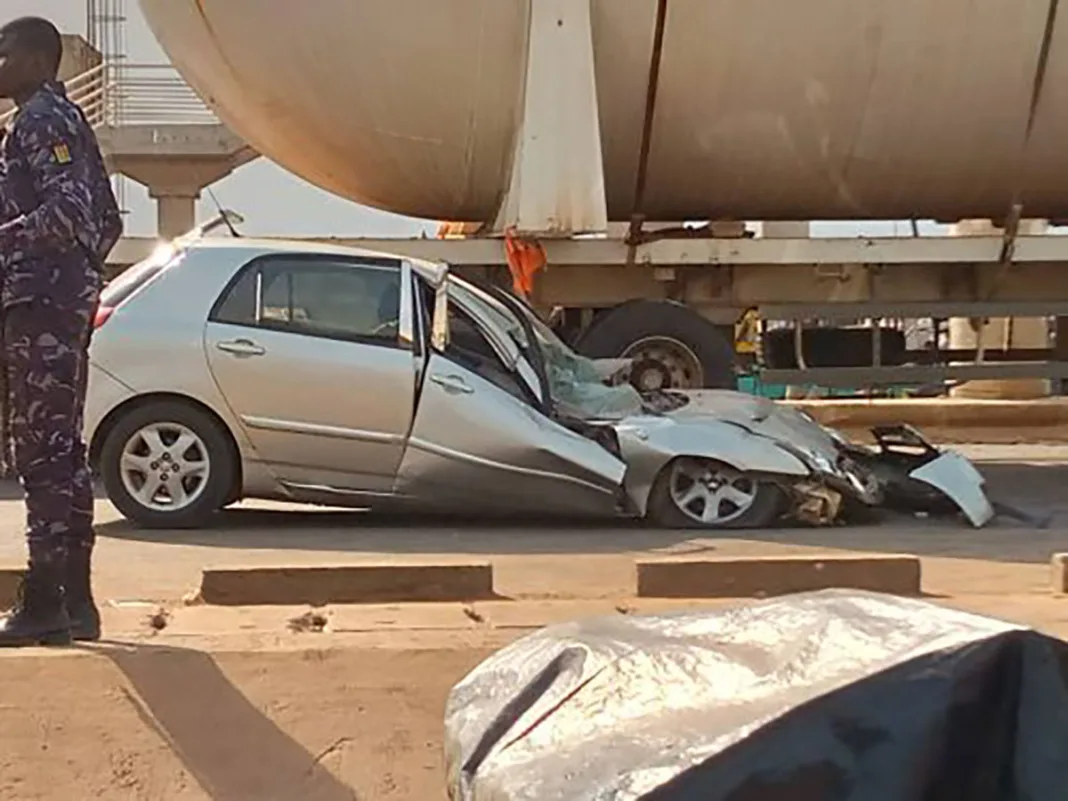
(673, 346)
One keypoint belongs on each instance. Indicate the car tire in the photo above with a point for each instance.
(212, 441)
(631, 323)
(663, 510)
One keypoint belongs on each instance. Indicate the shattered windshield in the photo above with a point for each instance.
(577, 384)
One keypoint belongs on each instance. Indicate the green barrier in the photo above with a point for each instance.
(752, 385)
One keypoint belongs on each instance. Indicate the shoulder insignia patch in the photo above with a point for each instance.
(61, 154)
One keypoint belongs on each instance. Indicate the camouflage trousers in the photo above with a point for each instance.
(46, 360)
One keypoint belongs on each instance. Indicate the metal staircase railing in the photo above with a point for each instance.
(88, 90)
(134, 94)
(154, 94)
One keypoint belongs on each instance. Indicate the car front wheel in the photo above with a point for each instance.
(703, 493)
(168, 465)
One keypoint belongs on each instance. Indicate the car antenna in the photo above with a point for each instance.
(224, 215)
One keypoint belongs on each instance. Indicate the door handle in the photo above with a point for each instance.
(452, 383)
(241, 347)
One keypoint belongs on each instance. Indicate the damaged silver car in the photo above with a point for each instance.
(224, 369)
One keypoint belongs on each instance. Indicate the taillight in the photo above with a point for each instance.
(102, 315)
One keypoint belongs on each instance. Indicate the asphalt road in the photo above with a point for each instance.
(540, 560)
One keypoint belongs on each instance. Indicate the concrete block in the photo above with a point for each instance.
(749, 577)
(9, 584)
(1059, 573)
(941, 413)
(347, 584)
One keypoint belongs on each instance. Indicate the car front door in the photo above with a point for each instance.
(314, 356)
(479, 440)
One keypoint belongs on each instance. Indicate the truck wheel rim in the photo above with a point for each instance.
(664, 363)
(710, 493)
(165, 466)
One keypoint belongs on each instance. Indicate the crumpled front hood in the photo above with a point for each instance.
(759, 415)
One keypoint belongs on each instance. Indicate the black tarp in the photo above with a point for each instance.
(813, 697)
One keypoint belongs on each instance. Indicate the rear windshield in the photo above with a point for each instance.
(119, 290)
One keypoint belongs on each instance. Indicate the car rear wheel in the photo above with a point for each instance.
(703, 493)
(168, 465)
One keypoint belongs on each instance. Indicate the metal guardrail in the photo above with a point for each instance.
(153, 94)
(135, 94)
(89, 90)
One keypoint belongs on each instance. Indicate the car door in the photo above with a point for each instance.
(478, 440)
(314, 356)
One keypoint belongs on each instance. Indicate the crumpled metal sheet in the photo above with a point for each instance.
(829, 696)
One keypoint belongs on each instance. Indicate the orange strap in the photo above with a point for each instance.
(451, 230)
(526, 258)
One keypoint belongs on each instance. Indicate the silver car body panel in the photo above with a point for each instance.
(785, 425)
(316, 425)
(156, 345)
(957, 479)
(106, 393)
(473, 442)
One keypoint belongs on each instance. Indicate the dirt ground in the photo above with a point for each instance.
(193, 702)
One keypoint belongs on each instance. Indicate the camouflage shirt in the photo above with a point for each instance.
(58, 214)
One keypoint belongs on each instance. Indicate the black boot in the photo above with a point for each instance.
(84, 616)
(39, 616)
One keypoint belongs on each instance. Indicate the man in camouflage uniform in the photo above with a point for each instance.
(58, 220)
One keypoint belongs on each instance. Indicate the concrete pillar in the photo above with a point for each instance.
(175, 213)
(174, 162)
(557, 184)
(1001, 332)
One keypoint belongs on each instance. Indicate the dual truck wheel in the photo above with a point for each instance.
(672, 346)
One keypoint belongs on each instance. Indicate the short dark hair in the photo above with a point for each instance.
(39, 36)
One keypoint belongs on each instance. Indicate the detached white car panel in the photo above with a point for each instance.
(954, 475)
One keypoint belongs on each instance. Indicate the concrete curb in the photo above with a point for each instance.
(947, 413)
(747, 577)
(347, 584)
(1059, 573)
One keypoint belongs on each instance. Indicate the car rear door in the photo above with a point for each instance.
(313, 354)
(478, 441)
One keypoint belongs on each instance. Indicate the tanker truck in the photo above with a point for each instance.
(603, 155)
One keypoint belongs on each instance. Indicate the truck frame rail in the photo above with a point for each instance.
(793, 281)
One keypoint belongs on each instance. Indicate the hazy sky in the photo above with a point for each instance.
(272, 200)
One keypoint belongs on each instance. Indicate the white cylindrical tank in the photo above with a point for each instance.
(767, 110)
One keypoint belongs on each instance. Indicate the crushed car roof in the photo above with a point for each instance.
(427, 269)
